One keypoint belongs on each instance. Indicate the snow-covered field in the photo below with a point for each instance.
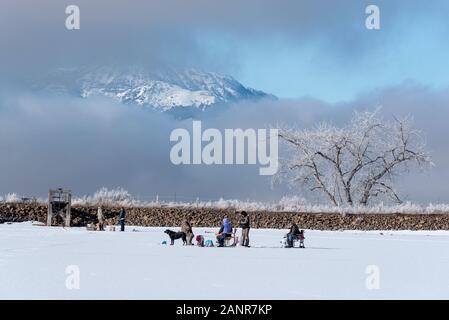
(42, 262)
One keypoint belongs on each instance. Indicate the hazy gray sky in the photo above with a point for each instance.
(86, 144)
(316, 55)
(290, 48)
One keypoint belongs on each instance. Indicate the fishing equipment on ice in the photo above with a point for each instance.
(199, 240)
(290, 240)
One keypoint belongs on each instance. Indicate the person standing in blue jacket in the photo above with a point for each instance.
(122, 219)
(225, 231)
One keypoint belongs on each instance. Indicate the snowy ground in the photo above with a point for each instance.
(135, 265)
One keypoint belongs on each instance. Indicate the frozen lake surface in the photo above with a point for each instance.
(44, 263)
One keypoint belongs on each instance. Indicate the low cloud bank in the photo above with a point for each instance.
(82, 145)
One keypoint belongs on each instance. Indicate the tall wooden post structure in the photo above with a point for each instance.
(59, 204)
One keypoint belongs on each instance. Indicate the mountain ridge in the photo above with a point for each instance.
(162, 90)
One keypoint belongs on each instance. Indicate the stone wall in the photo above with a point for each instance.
(170, 217)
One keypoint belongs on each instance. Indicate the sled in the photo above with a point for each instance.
(38, 224)
(298, 242)
(231, 240)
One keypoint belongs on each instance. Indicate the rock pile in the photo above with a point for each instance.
(172, 217)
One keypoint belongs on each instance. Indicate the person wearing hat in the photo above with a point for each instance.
(122, 219)
(186, 227)
(293, 233)
(244, 223)
(100, 218)
(225, 231)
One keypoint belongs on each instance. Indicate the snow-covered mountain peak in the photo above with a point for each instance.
(163, 89)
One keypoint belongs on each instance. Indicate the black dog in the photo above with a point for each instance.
(176, 235)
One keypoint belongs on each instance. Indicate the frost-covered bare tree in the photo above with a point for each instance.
(355, 163)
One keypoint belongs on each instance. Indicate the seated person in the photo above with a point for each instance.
(224, 232)
(292, 234)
